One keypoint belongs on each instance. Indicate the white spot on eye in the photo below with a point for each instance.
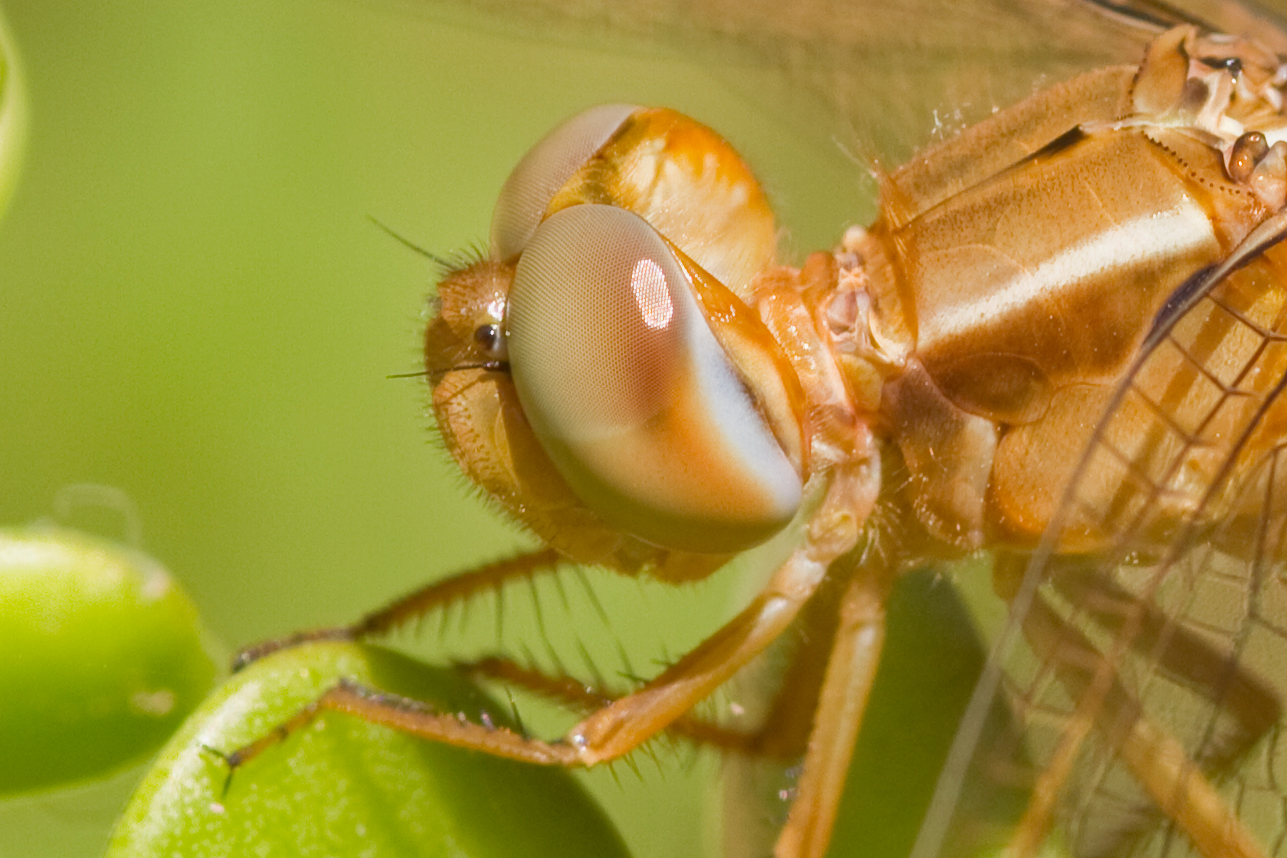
(648, 282)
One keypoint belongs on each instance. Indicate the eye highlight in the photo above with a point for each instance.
(630, 393)
(648, 283)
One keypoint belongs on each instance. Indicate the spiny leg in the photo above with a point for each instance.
(681, 686)
(577, 695)
(788, 721)
(407, 716)
(781, 734)
(435, 596)
(568, 691)
(623, 725)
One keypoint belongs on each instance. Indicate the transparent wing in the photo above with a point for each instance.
(1147, 680)
(881, 78)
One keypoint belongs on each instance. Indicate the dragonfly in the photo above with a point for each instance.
(1061, 341)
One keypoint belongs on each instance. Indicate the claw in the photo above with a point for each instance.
(230, 761)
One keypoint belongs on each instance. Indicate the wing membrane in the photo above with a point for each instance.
(880, 79)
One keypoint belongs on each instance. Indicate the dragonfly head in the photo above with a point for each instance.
(602, 369)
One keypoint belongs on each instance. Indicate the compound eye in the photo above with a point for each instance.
(630, 393)
(545, 169)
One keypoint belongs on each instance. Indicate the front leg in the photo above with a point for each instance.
(433, 597)
(625, 724)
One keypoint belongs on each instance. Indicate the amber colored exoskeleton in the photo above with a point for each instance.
(1062, 341)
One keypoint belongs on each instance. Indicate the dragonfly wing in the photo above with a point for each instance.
(880, 79)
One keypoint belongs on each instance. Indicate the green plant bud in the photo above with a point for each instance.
(103, 657)
(342, 786)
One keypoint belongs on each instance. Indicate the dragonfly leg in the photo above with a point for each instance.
(782, 733)
(850, 672)
(578, 695)
(1156, 759)
(435, 596)
(413, 717)
(625, 724)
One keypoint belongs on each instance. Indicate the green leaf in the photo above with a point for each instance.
(104, 657)
(340, 786)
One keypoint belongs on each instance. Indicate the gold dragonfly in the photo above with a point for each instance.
(1061, 341)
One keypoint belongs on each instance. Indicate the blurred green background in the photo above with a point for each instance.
(195, 308)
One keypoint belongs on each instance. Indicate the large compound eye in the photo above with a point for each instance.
(681, 177)
(630, 393)
(545, 170)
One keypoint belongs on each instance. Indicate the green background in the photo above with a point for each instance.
(195, 308)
